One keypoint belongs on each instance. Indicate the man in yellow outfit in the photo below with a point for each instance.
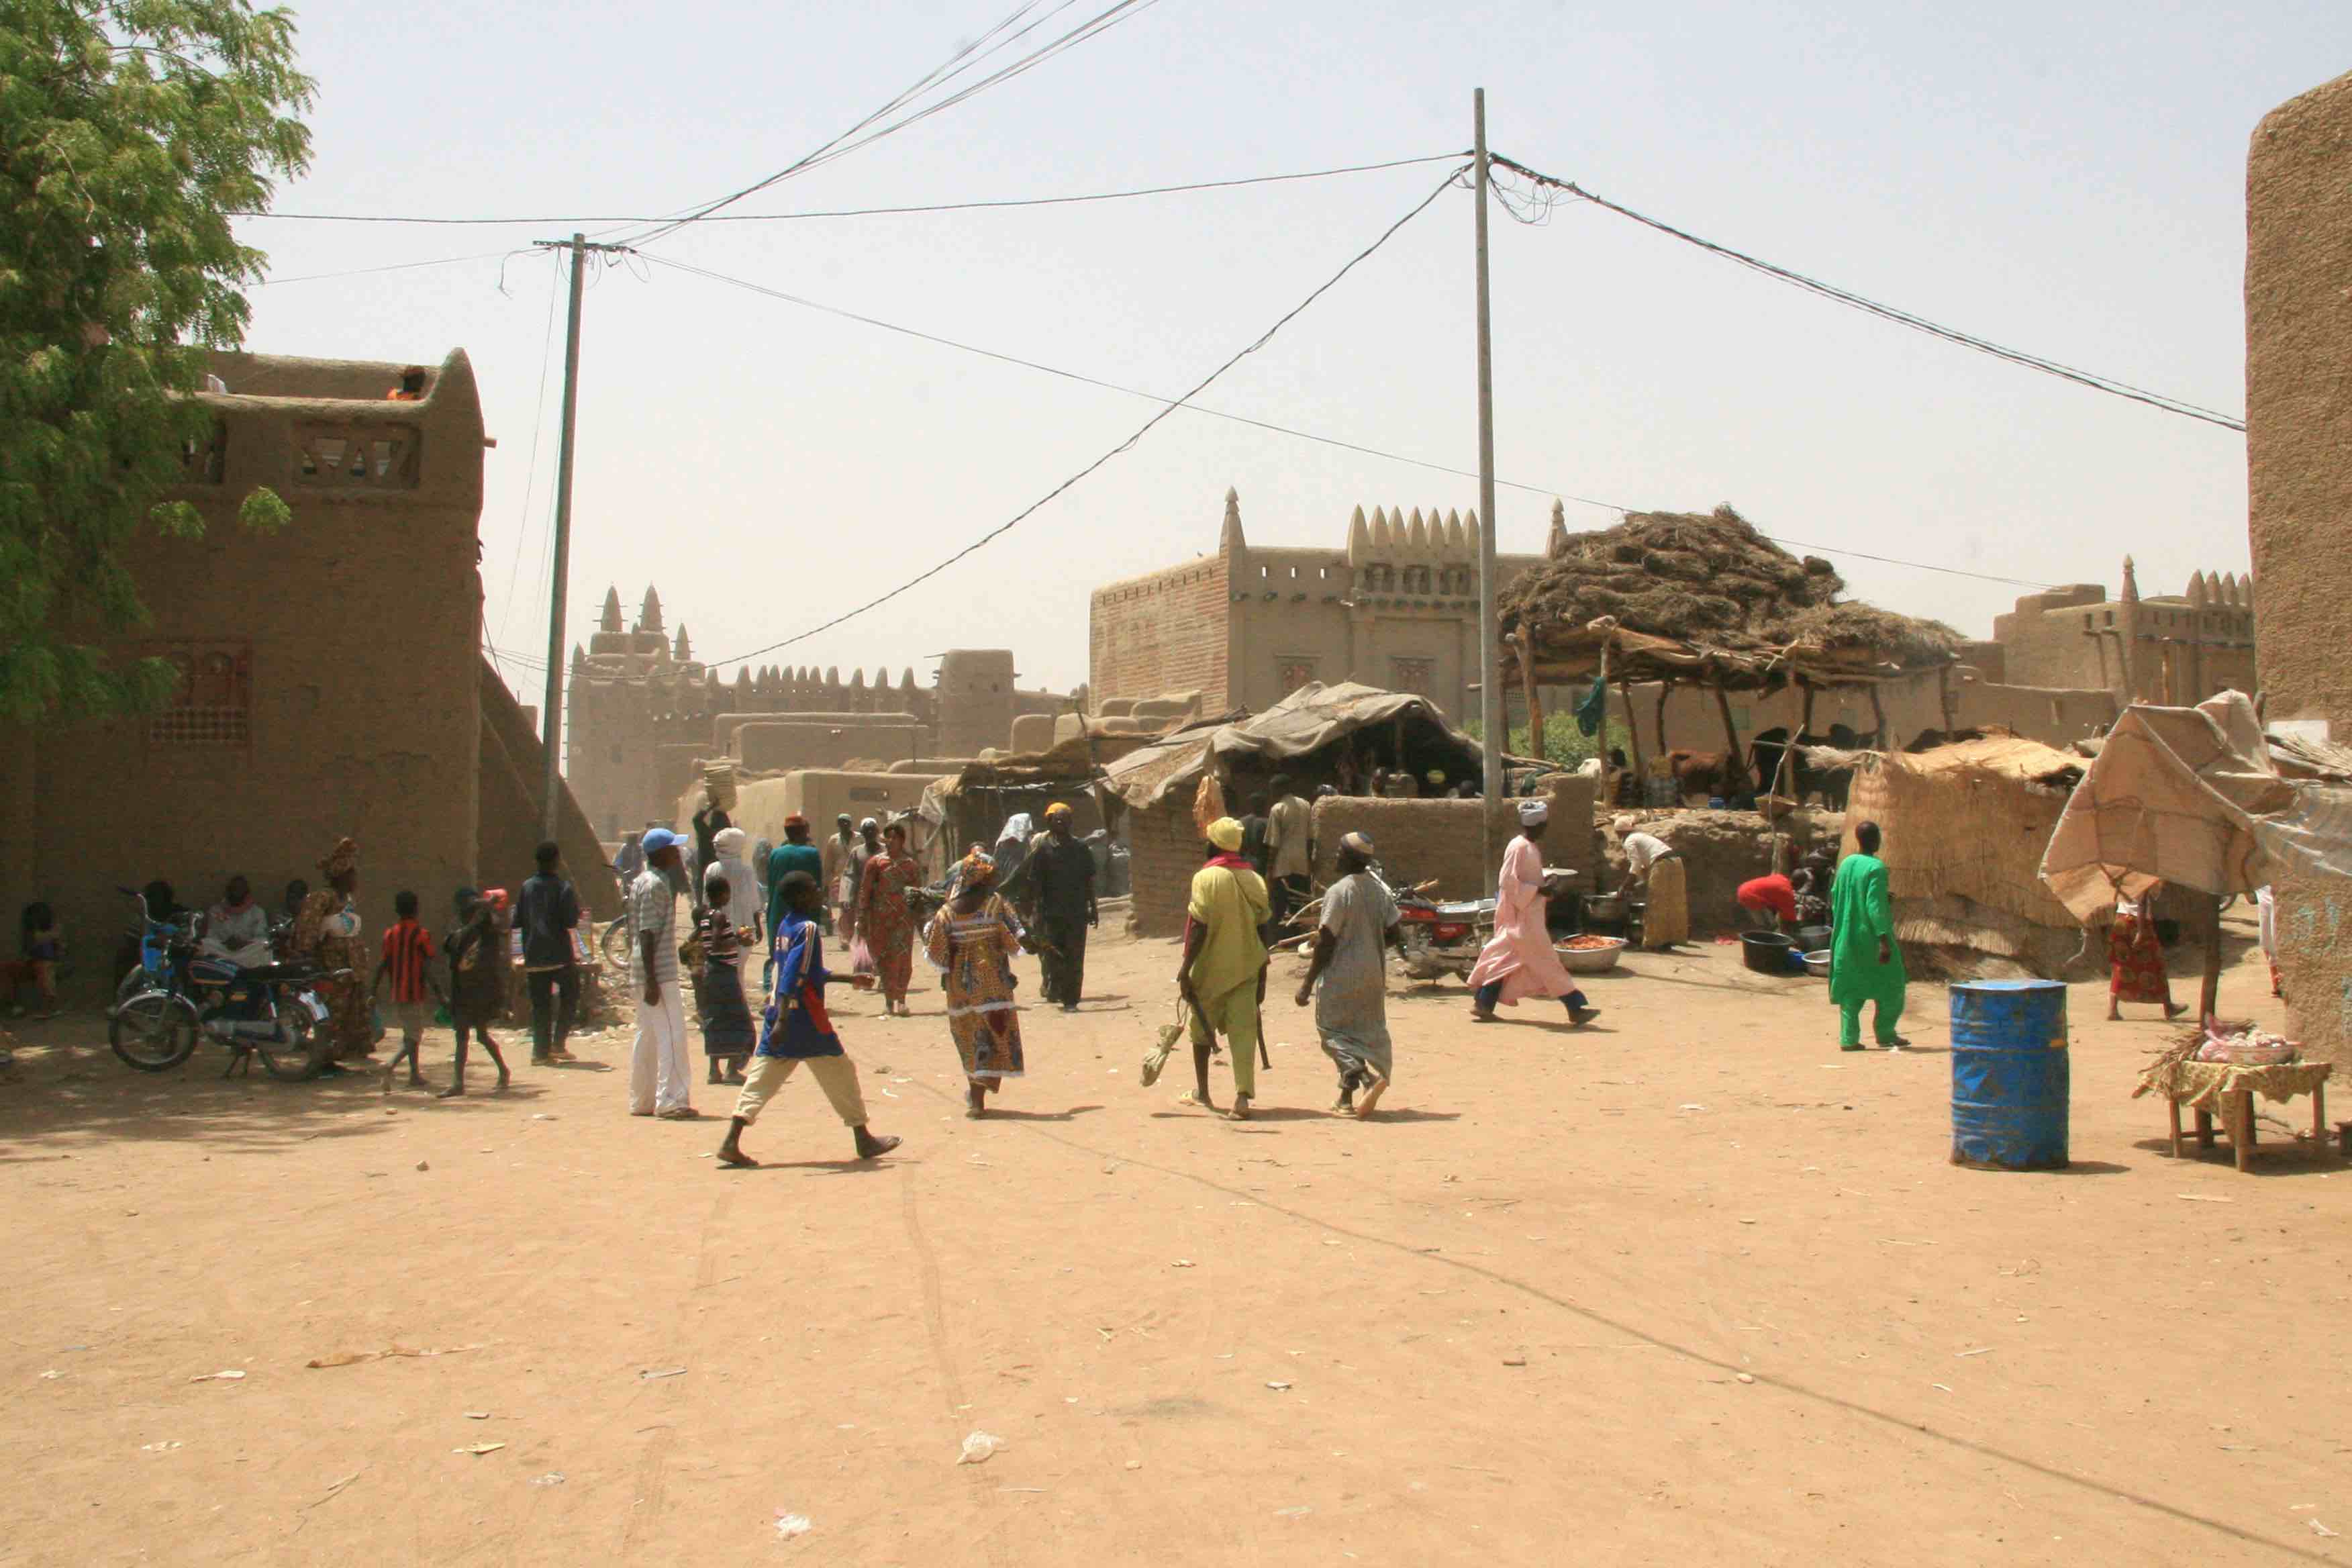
(1222, 974)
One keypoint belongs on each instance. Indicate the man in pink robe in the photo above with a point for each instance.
(1519, 961)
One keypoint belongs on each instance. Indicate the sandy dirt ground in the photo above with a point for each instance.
(1688, 1282)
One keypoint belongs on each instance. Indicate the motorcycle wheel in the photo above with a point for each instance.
(135, 982)
(152, 1032)
(293, 1056)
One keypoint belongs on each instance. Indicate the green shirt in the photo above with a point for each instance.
(1230, 906)
(1860, 915)
(785, 859)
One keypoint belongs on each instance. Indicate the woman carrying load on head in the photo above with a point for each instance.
(971, 941)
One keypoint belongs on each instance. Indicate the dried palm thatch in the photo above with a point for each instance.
(1689, 596)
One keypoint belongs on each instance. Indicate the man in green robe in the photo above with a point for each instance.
(1865, 963)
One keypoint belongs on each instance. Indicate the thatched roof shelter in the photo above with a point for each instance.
(1705, 598)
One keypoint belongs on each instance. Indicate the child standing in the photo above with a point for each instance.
(407, 952)
(478, 987)
(727, 1033)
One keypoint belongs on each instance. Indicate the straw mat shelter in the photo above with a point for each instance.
(1704, 598)
(1965, 828)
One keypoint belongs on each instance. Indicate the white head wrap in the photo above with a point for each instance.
(1532, 811)
(1626, 823)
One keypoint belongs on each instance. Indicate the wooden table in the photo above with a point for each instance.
(2206, 1087)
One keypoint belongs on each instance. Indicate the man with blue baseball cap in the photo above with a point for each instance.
(658, 1079)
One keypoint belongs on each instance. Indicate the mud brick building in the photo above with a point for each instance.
(2175, 648)
(2299, 494)
(332, 677)
(1395, 605)
(641, 713)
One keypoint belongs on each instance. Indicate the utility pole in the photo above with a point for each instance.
(552, 719)
(1490, 689)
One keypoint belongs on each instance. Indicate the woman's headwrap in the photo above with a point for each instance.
(1225, 834)
(1532, 811)
(1016, 828)
(976, 870)
(344, 856)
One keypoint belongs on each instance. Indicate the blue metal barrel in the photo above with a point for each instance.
(2009, 1075)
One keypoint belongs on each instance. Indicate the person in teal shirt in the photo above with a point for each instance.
(1865, 965)
(795, 854)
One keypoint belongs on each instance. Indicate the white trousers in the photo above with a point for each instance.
(658, 1079)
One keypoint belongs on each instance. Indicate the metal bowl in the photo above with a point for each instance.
(1817, 963)
(1590, 960)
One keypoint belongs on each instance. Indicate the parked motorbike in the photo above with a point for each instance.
(273, 1011)
(1437, 940)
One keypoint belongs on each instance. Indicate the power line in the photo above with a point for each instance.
(393, 267)
(882, 212)
(1886, 313)
(531, 474)
(961, 61)
(1293, 431)
(1145, 428)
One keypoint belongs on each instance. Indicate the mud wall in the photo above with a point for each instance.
(2299, 493)
(332, 670)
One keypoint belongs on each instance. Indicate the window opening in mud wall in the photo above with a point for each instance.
(1293, 671)
(213, 704)
(377, 456)
(1418, 676)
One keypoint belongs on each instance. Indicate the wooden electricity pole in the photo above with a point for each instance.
(551, 720)
(1490, 689)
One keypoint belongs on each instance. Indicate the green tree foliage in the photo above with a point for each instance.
(128, 130)
(1563, 742)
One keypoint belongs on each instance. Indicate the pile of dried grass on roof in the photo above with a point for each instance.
(1856, 626)
(1708, 578)
(1715, 583)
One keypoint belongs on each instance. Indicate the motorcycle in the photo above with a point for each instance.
(1437, 940)
(273, 1011)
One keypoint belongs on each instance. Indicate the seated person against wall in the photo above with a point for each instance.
(40, 946)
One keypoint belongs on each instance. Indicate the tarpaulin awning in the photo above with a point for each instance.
(2191, 797)
(1307, 720)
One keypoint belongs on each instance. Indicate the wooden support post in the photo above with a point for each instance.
(1633, 734)
(1535, 697)
(2174, 1106)
(1943, 694)
(2208, 996)
(1735, 765)
(1780, 774)
(1666, 689)
(1879, 741)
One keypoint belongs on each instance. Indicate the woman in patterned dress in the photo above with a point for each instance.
(2136, 957)
(327, 933)
(970, 943)
(884, 922)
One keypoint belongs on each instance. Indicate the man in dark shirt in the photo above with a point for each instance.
(548, 911)
(1055, 887)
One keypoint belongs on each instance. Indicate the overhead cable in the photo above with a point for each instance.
(1189, 407)
(1888, 312)
(851, 140)
(885, 212)
(1140, 431)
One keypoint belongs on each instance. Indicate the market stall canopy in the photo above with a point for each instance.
(1306, 722)
(1705, 598)
(2192, 797)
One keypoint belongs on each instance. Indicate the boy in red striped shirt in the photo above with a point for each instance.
(408, 952)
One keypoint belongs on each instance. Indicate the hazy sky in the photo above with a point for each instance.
(2065, 179)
